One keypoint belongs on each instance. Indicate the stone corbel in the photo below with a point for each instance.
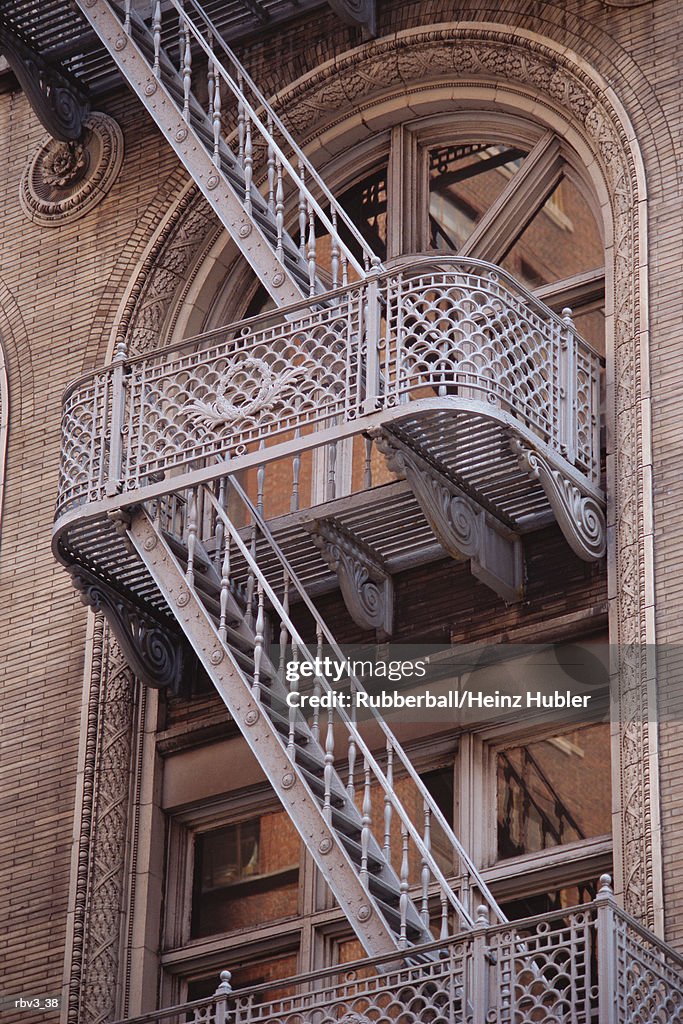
(59, 102)
(360, 13)
(154, 653)
(463, 528)
(578, 513)
(365, 585)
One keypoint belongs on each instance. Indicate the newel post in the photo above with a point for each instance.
(567, 389)
(373, 322)
(221, 995)
(480, 965)
(118, 405)
(607, 952)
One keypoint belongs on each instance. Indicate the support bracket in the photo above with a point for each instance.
(361, 13)
(578, 513)
(365, 585)
(463, 528)
(58, 100)
(153, 651)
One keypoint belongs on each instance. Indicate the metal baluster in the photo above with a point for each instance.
(279, 210)
(303, 220)
(329, 767)
(296, 471)
(240, 121)
(217, 122)
(271, 166)
(225, 589)
(367, 469)
(220, 527)
(248, 164)
(249, 611)
(260, 482)
(293, 688)
(388, 807)
(181, 39)
(315, 723)
(187, 74)
(351, 782)
(366, 821)
(210, 80)
(443, 934)
(156, 33)
(405, 885)
(126, 18)
(334, 250)
(258, 643)
(284, 631)
(344, 268)
(311, 250)
(332, 471)
(426, 874)
(191, 536)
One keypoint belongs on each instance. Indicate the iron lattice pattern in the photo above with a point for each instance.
(649, 981)
(594, 963)
(451, 334)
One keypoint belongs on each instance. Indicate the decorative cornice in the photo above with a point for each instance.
(365, 585)
(154, 653)
(462, 527)
(578, 514)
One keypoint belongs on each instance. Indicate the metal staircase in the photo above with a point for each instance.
(222, 139)
(417, 359)
(373, 847)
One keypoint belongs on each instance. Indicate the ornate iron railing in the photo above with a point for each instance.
(587, 965)
(445, 333)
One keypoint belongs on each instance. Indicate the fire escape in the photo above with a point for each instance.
(484, 406)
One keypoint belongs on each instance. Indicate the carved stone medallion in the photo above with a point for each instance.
(65, 180)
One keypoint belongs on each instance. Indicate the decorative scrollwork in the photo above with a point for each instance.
(58, 100)
(365, 585)
(239, 396)
(153, 652)
(462, 528)
(579, 515)
(66, 179)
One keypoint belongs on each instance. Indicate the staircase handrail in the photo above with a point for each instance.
(371, 260)
(465, 860)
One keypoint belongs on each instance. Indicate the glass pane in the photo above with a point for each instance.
(590, 323)
(258, 973)
(557, 899)
(554, 791)
(463, 182)
(245, 874)
(562, 240)
(366, 205)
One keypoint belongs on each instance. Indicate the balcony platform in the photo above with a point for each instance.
(483, 402)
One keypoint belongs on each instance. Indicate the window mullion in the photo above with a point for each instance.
(520, 200)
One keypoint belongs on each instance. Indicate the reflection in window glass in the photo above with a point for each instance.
(245, 874)
(463, 182)
(554, 791)
(561, 240)
(258, 973)
(545, 902)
